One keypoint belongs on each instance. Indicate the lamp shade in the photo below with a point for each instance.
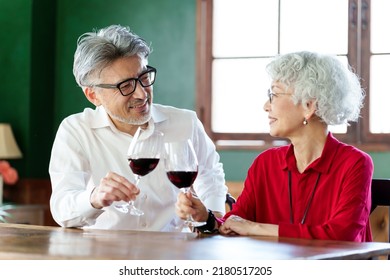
(8, 147)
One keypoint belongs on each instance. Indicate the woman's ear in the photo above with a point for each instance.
(311, 107)
(90, 94)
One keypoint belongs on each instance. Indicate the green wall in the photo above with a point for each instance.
(27, 79)
(15, 61)
(37, 85)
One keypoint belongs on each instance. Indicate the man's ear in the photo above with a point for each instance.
(90, 94)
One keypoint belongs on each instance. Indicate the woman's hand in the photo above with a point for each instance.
(113, 187)
(236, 225)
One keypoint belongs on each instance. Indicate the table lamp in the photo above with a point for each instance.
(8, 149)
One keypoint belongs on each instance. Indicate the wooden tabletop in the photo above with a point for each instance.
(42, 242)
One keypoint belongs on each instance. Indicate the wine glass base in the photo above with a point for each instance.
(122, 208)
(136, 212)
(128, 209)
(194, 224)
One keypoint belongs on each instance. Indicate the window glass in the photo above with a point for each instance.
(320, 26)
(379, 94)
(245, 28)
(380, 22)
(380, 60)
(239, 92)
(246, 36)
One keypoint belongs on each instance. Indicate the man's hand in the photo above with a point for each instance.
(187, 204)
(113, 187)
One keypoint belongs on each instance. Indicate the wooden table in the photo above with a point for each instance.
(30, 214)
(42, 242)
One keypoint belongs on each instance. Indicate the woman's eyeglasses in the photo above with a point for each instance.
(271, 95)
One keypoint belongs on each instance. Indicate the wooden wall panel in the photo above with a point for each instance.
(31, 191)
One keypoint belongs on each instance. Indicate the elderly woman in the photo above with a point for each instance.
(316, 187)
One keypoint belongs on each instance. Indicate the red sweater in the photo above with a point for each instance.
(341, 202)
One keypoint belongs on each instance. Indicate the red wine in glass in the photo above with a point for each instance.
(181, 167)
(144, 155)
(182, 179)
(143, 166)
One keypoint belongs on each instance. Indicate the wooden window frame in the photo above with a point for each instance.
(358, 56)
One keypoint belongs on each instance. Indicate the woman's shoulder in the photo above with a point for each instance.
(346, 150)
(275, 151)
(353, 152)
(272, 154)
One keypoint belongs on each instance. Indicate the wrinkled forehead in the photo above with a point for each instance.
(278, 86)
(123, 68)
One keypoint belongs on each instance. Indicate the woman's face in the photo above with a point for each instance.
(285, 118)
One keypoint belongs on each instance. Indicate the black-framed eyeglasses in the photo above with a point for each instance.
(127, 87)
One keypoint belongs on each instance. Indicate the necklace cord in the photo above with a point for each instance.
(290, 196)
(308, 203)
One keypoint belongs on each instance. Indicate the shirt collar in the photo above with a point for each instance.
(102, 119)
(323, 163)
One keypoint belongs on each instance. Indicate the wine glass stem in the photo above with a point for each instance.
(137, 178)
(190, 222)
(189, 216)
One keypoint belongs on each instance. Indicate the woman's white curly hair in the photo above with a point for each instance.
(323, 78)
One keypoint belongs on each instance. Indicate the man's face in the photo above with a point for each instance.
(133, 109)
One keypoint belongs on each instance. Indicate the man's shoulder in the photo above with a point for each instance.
(171, 110)
(168, 108)
(81, 117)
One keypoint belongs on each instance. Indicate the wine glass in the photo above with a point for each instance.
(144, 154)
(181, 166)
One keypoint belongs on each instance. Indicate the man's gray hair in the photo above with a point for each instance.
(97, 50)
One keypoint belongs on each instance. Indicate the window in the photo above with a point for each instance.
(237, 38)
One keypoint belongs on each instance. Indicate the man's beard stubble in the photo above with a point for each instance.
(134, 120)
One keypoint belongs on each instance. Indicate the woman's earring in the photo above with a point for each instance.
(305, 121)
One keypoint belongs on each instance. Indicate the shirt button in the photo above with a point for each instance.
(144, 196)
(143, 225)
